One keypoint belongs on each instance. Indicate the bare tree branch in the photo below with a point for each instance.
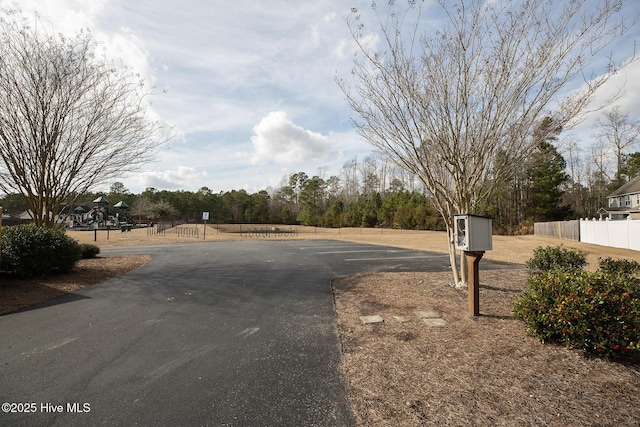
(445, 105)
(618, 132)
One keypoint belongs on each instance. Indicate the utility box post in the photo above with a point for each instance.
(473, 261)
(205, 218)
(0, 231)
(473, 236)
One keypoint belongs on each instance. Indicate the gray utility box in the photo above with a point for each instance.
(472, 232)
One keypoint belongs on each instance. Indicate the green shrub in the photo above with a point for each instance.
(596, 312)
(28, 250)
(89, 250)
(550, 258)
(619, 266)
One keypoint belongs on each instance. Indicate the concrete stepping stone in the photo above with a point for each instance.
(401, 319)
(428, 314)
(435, 322)
(371, 319)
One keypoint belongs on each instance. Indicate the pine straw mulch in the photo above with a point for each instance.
(482, 371)
(17, 293)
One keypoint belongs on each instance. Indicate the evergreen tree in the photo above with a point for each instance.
(311, 201)
(630, 165)
(547, 176)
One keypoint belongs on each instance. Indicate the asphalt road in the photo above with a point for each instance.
(213, 333)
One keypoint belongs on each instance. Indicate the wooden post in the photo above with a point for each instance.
(473, 259)
(0, 232)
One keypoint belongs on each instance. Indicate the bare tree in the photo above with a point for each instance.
(370, 178)
(619, 133)
(350, 179)
(601, 159)
(68, 119)
(572, 152)
(445, 104)
(334, 187)
(141, 207)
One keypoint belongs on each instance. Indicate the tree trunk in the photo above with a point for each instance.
(464, 273)
(452, 258)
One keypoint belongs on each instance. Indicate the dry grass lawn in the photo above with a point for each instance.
(482, 371)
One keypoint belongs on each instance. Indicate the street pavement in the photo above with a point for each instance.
(212, 333)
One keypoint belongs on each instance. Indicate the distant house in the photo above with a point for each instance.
(26, 215)
(75, 215)
(68, 215)
(624, 202)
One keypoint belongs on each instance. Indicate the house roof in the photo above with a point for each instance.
(630, 187)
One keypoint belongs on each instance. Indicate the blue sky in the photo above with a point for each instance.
(248, 86)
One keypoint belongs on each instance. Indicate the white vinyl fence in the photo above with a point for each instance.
(618, 234)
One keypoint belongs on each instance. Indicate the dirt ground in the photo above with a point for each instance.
(474, 371)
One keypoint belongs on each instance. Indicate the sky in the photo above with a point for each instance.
(248, 88)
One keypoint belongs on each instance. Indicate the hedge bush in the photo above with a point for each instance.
(28, 250)
(550, 258)
(619, 266)
(598, 312)
(89, 250)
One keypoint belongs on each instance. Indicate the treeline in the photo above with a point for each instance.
(304, 201)
(374, 193)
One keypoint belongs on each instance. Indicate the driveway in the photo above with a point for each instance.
(213, 333)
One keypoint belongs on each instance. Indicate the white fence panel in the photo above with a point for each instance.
(586, 231)
(617, 234)
(634, 235)
(601, 233)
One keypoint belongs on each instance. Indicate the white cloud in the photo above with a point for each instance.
(623, 85)
(340, 48)
(277, 139)
(66, 16)
(180, 178)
